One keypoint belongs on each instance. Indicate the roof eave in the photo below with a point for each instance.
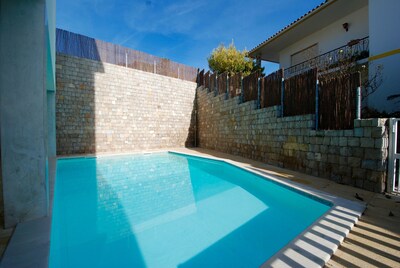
(255, 51)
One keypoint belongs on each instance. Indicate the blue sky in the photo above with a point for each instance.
(185, 31)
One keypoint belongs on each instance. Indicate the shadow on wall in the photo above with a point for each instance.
(103, 235)
(1, 196)
(75, 95)
(103, 107)
(192, 137)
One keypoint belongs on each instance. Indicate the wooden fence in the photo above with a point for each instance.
(337, 100)
(299, 94)
(207, 80)
(200, 78)
(337, 97)
(271, 88)
(85, 47)
(222, 83)
(250, 86)
(213, 82)
(235, 85)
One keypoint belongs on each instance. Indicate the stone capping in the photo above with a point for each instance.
(356, 157)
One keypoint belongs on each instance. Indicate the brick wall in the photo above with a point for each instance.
(355, 157)
(102, 107)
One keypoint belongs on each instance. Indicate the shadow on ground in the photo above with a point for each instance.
(375, 240)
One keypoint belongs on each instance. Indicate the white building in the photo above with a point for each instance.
(366, 28)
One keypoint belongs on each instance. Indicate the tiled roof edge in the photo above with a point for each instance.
(290, 25)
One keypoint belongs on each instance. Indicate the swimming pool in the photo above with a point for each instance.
(170, 210)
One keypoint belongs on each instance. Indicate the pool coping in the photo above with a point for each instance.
(29, 245)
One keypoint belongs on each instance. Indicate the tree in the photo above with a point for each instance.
(231, 60)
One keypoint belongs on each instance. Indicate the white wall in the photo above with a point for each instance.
(331, 37)
(385, 37)
(23, 110)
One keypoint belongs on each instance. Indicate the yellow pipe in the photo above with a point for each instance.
(384, 55)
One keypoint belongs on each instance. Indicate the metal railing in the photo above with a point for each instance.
(394, 156)
(355, 50)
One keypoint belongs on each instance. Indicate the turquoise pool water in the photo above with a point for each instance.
(170, 210)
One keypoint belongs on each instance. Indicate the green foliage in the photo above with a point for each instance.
(257, 67)
(231, 60)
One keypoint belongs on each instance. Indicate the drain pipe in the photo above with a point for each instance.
(317, 105)
(358, 100)
(126, 59)
(195, 127)
(195, 119)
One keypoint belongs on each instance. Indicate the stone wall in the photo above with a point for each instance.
(102, 107)
(356, 157)
(108, 108)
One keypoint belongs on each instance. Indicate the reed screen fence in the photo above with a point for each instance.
(200, 78)
(222, 83)
(271, 89)
(213, 82)
(337, 100)
(299, 94)
(86, 47)
(337, 95)
(250, 86)
(207, 80)
(235, 84)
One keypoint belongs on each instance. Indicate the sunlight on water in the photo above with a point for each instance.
(167, 210)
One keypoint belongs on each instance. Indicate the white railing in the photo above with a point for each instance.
(394, 156)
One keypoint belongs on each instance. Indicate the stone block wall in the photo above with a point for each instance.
(103, 107)
(107, 108)
(356, 157)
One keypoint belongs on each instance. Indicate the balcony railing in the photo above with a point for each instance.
(355, 50)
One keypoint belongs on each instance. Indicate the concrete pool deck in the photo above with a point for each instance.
(373, 242)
